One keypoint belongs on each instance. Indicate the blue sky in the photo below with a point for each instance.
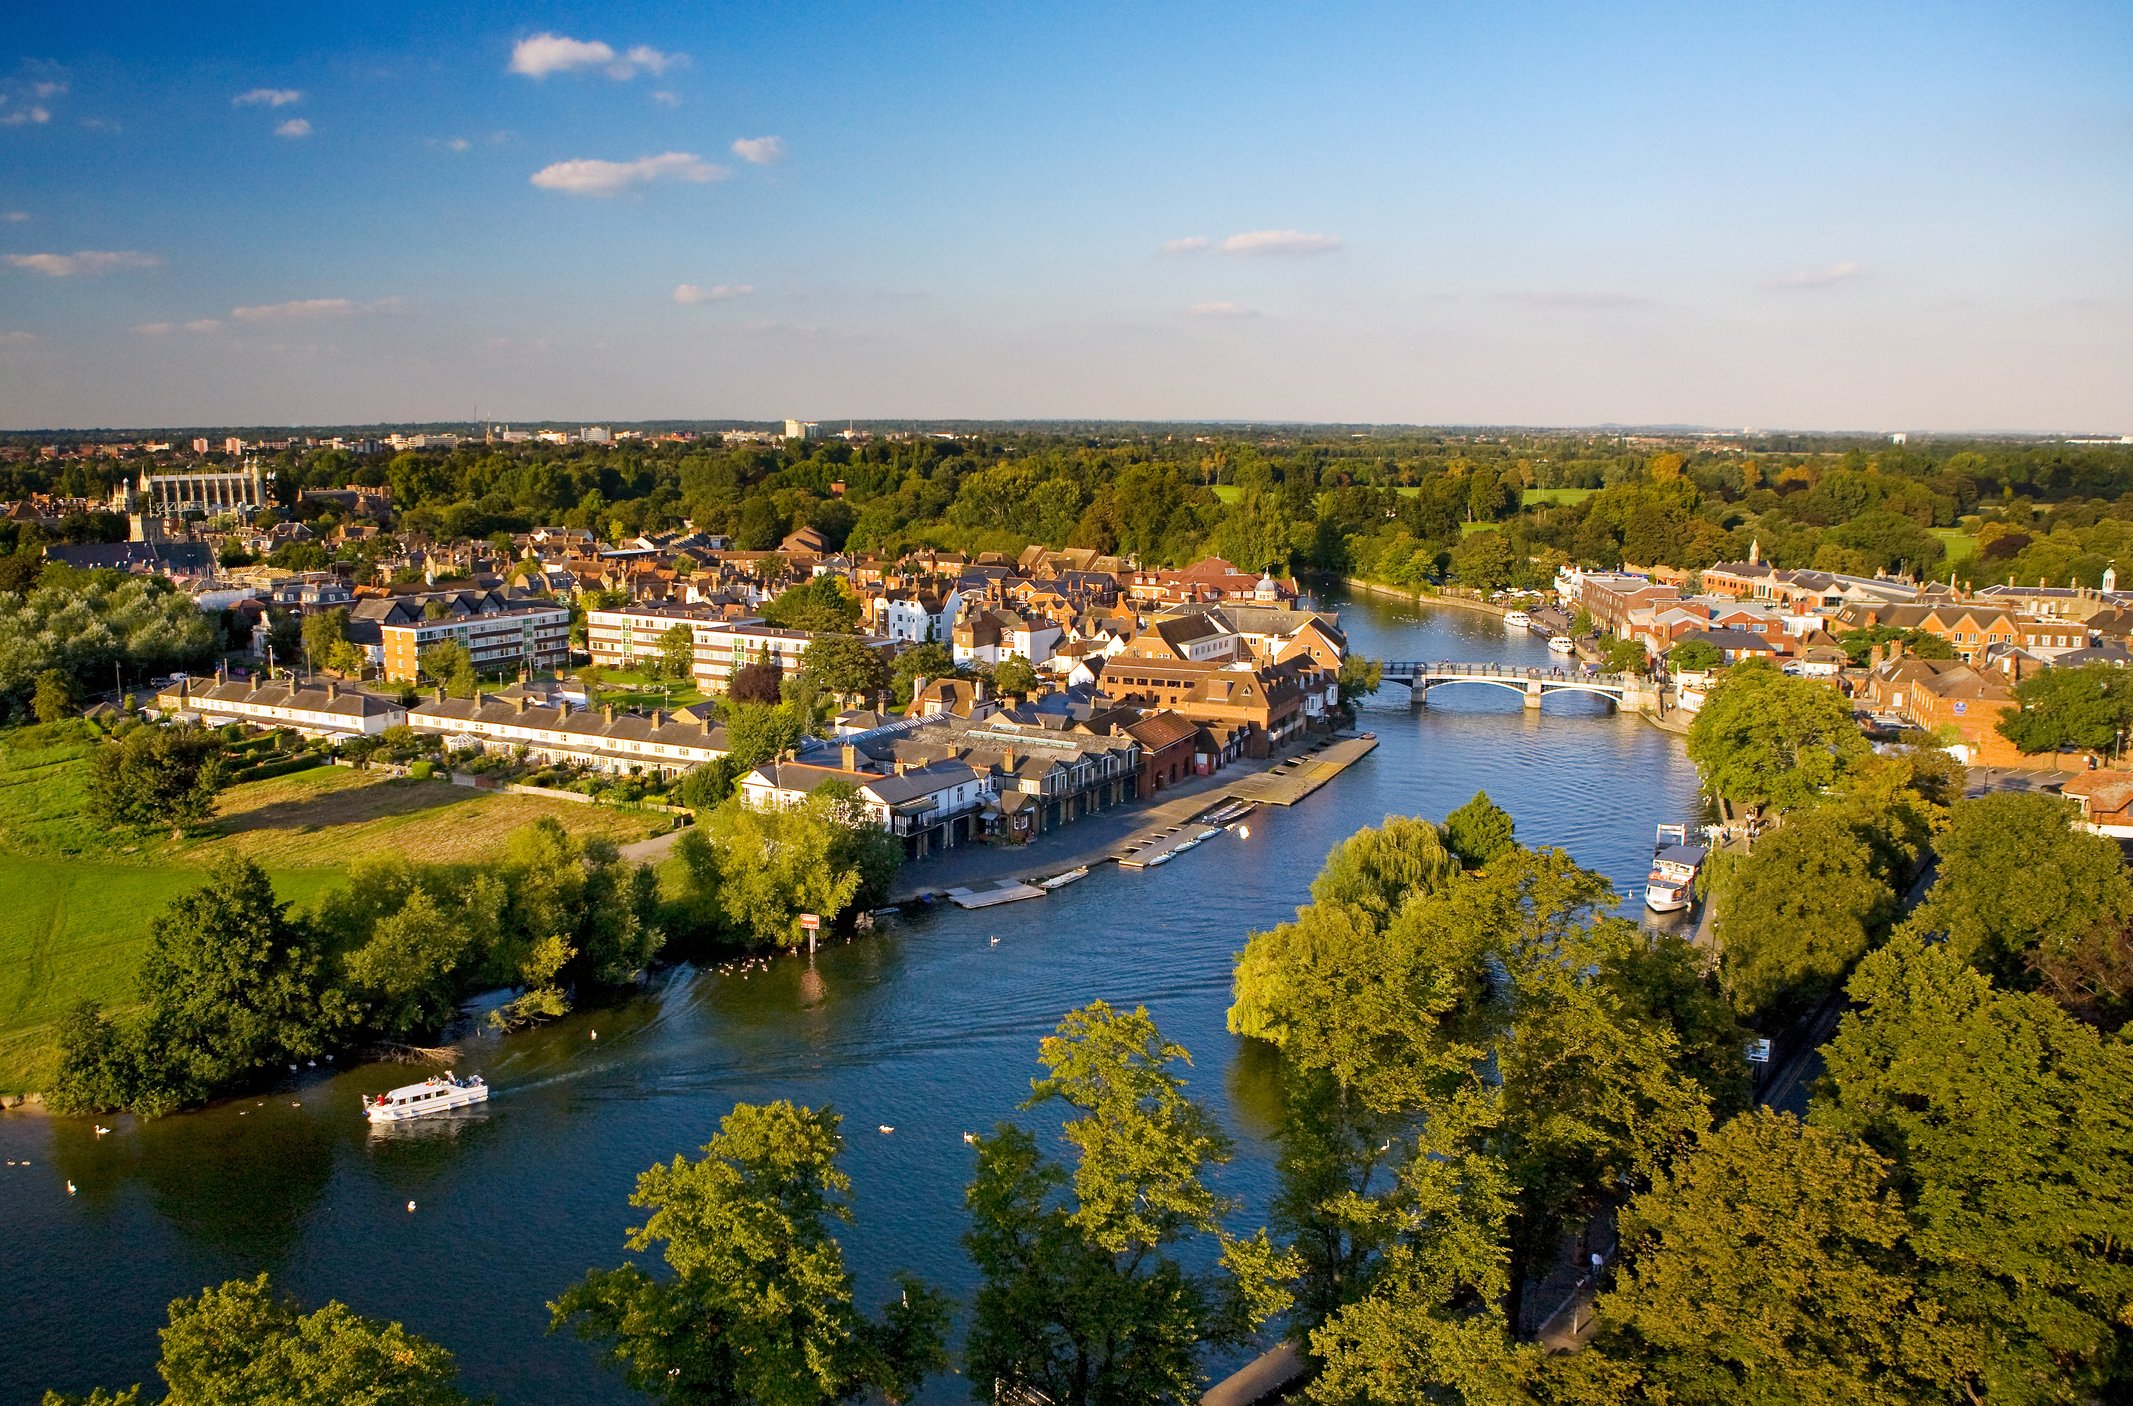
(1861, 216)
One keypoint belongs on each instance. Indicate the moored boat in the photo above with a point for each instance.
(1671, 886)
(1517, 619)
(432, 1095)
(1060, 881)
(1561, 644)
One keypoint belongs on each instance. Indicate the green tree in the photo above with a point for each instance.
(448, 665)
(1793, 916)
(757, 732)
(1485, 560)
(1624, 656)
(1086, 1294)
(675, 658)
(325, 637)
(758, 1308)
(920, 661)
(285, 636)
(1769, 1267)
(2084, 708)
(703, 788)
(1765, 738)
(2010, 1125)
(1358, 679)
(157, 776)
(819, 605)
(1014, 674)
(1479, 831)
(53, 700)
(242, 1345)
(1694, 657)
(775, 865)
(846, 665)
(2030, 900)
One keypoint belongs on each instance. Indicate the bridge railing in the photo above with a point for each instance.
(1448, 669)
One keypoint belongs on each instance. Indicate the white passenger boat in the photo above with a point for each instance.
(1517, 619)
(1561, 644)
(1060, 881)
(432, 1095)
(1671, 886)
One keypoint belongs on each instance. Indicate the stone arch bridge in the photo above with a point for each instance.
(1635, 692)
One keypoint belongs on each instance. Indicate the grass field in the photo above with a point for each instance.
(1961, 546)
(1228, 492)
(79, 898)
(1532, 496)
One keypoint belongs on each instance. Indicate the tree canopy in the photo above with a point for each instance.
(1766, 738)
(2078, 708)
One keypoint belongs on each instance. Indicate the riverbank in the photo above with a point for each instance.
(1357, 583)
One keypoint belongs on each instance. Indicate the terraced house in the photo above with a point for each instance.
(656, 744)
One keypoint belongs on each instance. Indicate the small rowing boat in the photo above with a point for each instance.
(1060, 881)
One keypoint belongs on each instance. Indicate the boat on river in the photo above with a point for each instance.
(1671, 886)
(433, 1095)
(1516, 619)
(1060, 881)
(1561, 644)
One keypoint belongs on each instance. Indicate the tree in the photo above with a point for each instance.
(759, 1305)
(1085, 1295)
(756, 732)
(54, 698)
(242, 1345)
(1793, 915)
(760, 683)
(845, 665)
(2010, 1125)
(1014, 675)
(1765, 738)
(1768, 1267)
(1479, 831)
(819, 605)
(1358, 679)
(1485, 560)
(1694, 657)
(920, 661)
(1582, 625)
(447, 664)
(1624, 656)
(703, 788)
(325, 637)
(775, 865)
(2084, 708)
(2030, 900)
(285, 635)
(676, 656)
(156, 776)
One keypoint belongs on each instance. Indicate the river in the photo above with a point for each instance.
(931, 1029)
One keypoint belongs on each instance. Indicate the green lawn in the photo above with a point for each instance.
(1961, 545)
(1557, 496)
(79, 897)
(1468, 529)
(1228, 492)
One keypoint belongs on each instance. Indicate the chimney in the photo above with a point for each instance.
(1007, 759)
(333, 691)
(850, 755)
(705, 722)
(901, 765)
(608, 713)
(440, 693)
(522, 700)
(659, 717)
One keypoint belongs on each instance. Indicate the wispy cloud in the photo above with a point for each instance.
(1817, 278)
(301, 308)
(1220, 310)
(1575, 301)
(716, 293)
(267, 97)
(27, 101)
(164, 329)
(294, 127)
(15, 217)
(17, 338)
(35, 115)
(587, 176)
(453, 144)
(102, 124)
(1284, 242)
(667, 98)
(543, 54)
(1190, 244)
(760, 151)
(84, 261)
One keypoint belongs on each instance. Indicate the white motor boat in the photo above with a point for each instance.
(432, 1095)
(1517, 619)
(1060, 881)
(1562, 644)
(1671, 886)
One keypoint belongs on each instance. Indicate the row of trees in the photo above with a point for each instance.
(91, 628)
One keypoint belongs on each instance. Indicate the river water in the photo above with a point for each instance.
(931, 1029)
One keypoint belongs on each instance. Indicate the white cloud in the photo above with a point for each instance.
(89, 261)
(35, 115)
(101, 124)
(1190, 244)
(666, 98)
(1578, 301)
(543, 54)
(1220, 310)
(1279, 241)
(716, 293)
(47, 89)
(17, 338)
(204, 324)
(760, 151)
(15, 217)
(267, 97)
(294, 127)
(302, 307)
(1817, 278)
(453, 144)
(587, 176)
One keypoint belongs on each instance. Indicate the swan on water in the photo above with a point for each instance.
(887, 1127)
(410, 1208)
(970, 1137)
(70, 1188)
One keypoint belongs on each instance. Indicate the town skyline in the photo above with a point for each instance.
(1909, 219)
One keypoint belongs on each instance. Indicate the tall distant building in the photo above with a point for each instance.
(153, 497)
(802, 429)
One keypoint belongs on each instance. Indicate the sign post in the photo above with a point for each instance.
(810, 923)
